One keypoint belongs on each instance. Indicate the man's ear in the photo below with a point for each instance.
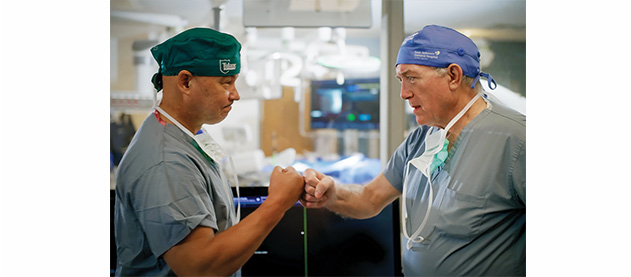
(184, 78)
(455, 74)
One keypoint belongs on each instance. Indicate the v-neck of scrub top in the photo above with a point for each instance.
(484, 113)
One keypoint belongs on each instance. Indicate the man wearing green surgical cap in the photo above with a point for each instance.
(174, 212)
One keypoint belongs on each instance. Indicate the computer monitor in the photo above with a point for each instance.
(336, 246)
(352, 105)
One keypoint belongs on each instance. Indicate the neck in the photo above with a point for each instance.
(475, 109)
(193, 128)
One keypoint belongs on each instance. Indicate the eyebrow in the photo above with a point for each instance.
(404, 74)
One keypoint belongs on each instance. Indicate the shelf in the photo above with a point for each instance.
(120, 101)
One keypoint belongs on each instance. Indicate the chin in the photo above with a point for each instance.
(220, 118)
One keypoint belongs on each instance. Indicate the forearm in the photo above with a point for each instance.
(353, 201)
(203, 253)
(238, 243)
(362, 201)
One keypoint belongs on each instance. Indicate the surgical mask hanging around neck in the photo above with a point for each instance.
(436, 145)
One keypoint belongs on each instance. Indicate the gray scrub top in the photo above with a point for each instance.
(477, 223)
(165, 188)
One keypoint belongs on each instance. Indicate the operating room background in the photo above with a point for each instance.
(283, 60)
(288, 67)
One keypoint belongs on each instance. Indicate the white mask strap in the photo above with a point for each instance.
(415, 236)
(175, 122)
(462, 112)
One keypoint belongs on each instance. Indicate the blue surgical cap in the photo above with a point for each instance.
(440, 46)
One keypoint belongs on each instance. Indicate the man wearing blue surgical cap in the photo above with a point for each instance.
(174, 212)
(461, 175)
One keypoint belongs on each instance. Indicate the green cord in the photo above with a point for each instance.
(304, 222)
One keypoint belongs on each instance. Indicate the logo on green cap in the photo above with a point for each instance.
(225, 66)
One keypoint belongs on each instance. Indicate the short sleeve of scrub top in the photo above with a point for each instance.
(175, 205)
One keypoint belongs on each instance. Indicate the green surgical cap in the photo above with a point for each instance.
(202, 51)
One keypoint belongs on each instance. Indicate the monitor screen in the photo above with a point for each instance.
(335, 246)
(352, 105)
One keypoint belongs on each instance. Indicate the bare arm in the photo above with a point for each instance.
(356, 201)
(204, 253)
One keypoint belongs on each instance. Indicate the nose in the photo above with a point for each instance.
(234, 94)
(406, 93)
